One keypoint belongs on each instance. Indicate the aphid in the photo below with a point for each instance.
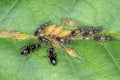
(102, 38)
(8, 33)
(14, 34)
(21, 36)
(52, 56)
(44, 39)
(69, 22)
(41, 29)
(71, 52)
(49, 29)
(27, 49)
(56, 30)
(55, 43)
(63, 33)
(63, 40)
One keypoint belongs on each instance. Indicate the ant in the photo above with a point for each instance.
(76, 32)
(26, 50)
(41, 29)
(44, 39)
(52, 56)
(92, 31)
(62, 40)
(86, 32)
(102, 38)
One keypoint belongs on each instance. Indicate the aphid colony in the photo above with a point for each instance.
(57, 36)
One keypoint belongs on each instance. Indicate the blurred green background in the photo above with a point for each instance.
(102, 60)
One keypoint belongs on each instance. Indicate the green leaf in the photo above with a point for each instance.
(102, 60)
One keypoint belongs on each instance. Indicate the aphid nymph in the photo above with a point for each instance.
(69, 22)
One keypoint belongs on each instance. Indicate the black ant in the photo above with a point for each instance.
(76, 32)
(88, 31)
(41, 29)
(102, 38)
(26, 50)
(62, 40)
(92, 31)
(52, 56)
(44, 39)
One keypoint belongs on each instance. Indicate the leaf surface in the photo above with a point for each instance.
(102, 60)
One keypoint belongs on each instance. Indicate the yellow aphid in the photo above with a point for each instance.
(13, 31)
(71, 52)
(21, 36)
(49, 29)
(2, 31)
(56, 30)
(63, 33)
(69, 22)
(8, 33)
(55, 43)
